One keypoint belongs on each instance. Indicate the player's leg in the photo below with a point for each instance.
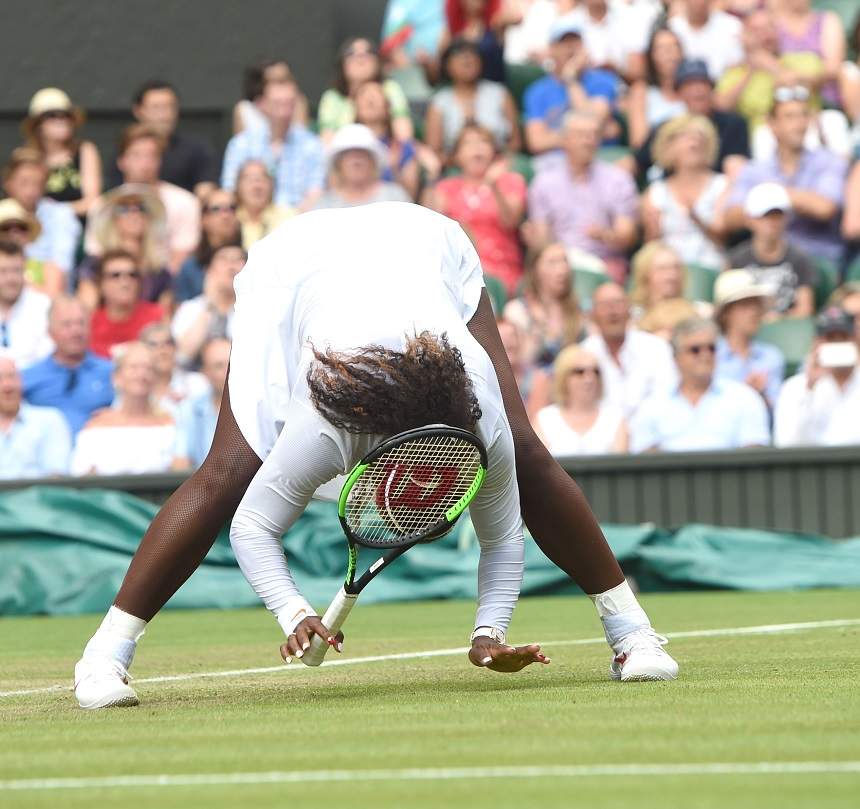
(564, 527)
(172, 548)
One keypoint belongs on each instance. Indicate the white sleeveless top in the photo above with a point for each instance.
(562, 440)
(679, 230)
(124, 450)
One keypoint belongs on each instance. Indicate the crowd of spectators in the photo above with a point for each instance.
(665, 196)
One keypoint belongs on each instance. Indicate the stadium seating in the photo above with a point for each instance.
(585, 282)
(827, 281)
(496, 291)
(700, 283)
(793, 336)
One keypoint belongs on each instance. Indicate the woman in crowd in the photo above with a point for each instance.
(258, 215)
(172, 385)
(19, 226)
(122, 312)
(247, 113)
(580, 422)
(133, 437)
(220, 227)
(75, 167)
(547, 312)
(655, 100)
(356, 161)
(661, 319)
(483, 23)
(488, 200)
(358, 62)
(402, 163)
(686, 209)
(469, 98)
(131, 219)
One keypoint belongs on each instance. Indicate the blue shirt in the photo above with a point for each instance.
(730, 415)
(195, 425)
(37, 445)
(426, 19)
(298, 166)
(76, 392)
(188, 283)
(546, 99)
(61, 232)
(762, 358)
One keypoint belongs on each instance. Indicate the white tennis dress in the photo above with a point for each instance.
(347, 278)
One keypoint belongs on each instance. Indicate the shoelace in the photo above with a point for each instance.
(641, 639)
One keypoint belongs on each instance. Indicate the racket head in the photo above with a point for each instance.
(412, 487)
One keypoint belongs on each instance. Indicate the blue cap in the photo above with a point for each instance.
(563, 27)
(692, 70)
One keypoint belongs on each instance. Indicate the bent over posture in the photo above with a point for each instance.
(318, 295)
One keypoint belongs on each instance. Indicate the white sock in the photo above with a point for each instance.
(117, 637)
(620, 612)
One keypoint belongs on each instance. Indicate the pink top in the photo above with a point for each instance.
(475, 208)
(808, 42)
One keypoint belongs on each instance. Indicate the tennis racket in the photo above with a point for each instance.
(411, 488)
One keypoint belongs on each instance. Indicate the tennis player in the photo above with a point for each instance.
(313, 297)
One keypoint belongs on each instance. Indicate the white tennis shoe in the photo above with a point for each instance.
(639, 656)
(103, 683)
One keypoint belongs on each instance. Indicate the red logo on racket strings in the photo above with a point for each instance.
(423, 485)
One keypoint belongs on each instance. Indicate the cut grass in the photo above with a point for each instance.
(783, 697)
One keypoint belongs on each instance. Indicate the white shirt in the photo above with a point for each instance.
(827, 415)
(37, 444)
(348, 278)
(730, 415)
(563, 441)
(188, 313)
(124, 450)
(717, 42)
(24, 329)
(623, 31)
(645, 367)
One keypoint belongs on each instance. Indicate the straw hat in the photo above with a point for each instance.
(738, 285)
(50, 99)
(356, 136)
(12, 211)
(103, 216)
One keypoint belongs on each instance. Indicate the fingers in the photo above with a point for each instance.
(498, 657)
(300, 641)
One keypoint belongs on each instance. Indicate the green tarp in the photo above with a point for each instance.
(65, 551)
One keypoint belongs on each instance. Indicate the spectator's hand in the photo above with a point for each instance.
(495, 171)
(599, 233)
(814, 371)
(574, 66)
(757, 380)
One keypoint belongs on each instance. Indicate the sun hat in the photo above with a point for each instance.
(50, 99)
(104, 213)
(12, 211)
(356, 136)
(738, 285)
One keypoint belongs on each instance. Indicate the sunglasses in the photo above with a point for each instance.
(350, 52)
(220, 208)
(55, 115)
(585, 369)
(131, 207)
(14, 227)
(711, 348)
(797, 93)
(115, 275)
(159, 343)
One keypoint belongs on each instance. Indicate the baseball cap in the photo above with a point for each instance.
(738, 285)
(766, 197)
(692, 70)
(563, 27)
(832, 320)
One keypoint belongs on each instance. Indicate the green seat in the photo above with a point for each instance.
(521, 163)
(846, 9)
(826, 282)
(497, 292)
(585, 282)
(612, 154)
(519, 77)
(700, 283)
(853, 271)
(791, 335)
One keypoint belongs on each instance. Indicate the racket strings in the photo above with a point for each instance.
(409, 489)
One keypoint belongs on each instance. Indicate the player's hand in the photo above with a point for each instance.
(487, 653)
(300, 641)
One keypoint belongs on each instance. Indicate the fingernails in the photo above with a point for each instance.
(288, 660)
(487, 660)
(330, 641)
(306, 645)
(299, 653)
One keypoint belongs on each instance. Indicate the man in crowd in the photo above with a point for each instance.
(23, 311)
(696, 89)
(814, 180)
(616, 38)
(293, 155)
(633, 364)
(199, 415)
(572, 84)
(72, 379)
(34, 441)
(24, 179)
(186, 161)
(606, 227)
(709, 34)
(139, 161)
(820, 405)
(702, 412)
(788, 272)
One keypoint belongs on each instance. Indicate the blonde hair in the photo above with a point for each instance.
(570, 301)
(566, 360)
(641, 266)
(661, 150)
(152, 254)
(665, 315)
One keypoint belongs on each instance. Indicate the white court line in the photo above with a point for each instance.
(438, 774)
(762, 629)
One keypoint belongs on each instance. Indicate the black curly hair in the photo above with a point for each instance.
(379, 391)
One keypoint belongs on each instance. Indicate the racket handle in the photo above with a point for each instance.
(334, 617)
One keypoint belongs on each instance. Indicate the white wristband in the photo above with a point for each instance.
(488, 632)
(293, 613)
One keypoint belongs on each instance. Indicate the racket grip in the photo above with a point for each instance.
(334, 617)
